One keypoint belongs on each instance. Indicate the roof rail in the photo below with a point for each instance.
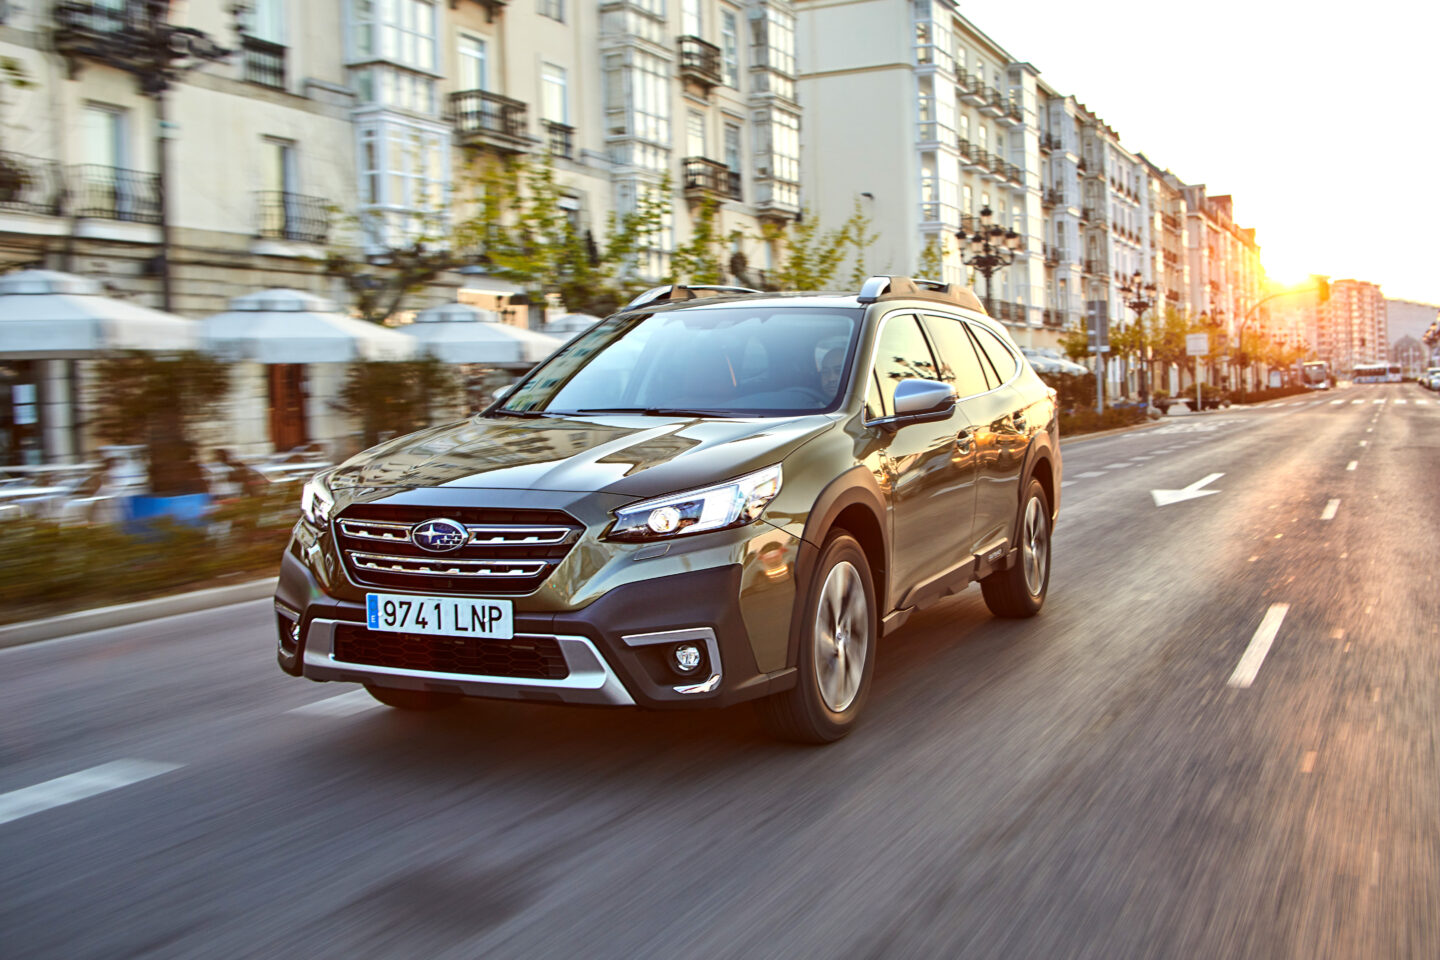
(918, 288)
(684, 292)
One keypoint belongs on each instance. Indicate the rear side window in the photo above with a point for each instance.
(959, 364)
(1000, 356)
(900, 354)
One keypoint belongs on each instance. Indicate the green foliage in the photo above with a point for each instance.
(704, 258)
(48, 568)
(861, 236)
(157, 400)
(812, 256)
(932, 261)
(1073, 391)
(391, 398)
(1075, 341)
(379, 285)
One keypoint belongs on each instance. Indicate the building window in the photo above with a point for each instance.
(404, 179)
(400, 31)
(730, 48)
(732, 146)
(695, 134)
(473, 64)
(772, 49)
(637, 108)
(554, 9)
(691, 23)
(554, 97)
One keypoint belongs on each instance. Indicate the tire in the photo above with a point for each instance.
(838, 634)
(416, 701)
(1019, 592)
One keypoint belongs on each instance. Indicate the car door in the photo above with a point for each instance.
(930, 476)
(1002, 444)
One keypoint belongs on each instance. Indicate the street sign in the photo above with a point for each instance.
(1098, 326)
(1197, 344)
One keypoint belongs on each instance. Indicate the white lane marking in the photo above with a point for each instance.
(1166, 497)
(1357, 401)
(1422, 402)
(1254, 654)
(1369, 429)
(1334, 402)
(78, 786)
(1352, 464)
(1144, 456)
(1307, 762)
(1364, 443)
(1381, 400)
(345, 705)
(1401, 400)
(1066, 483)
(1089, 473)
(1118, 466)
(1329, 512)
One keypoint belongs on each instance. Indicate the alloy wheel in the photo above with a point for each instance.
(1035, 546)
(842, 636)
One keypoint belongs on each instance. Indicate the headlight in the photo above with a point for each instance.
(732, 504)
(316, 501)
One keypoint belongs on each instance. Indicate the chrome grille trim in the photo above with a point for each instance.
(445, 567)
(367, 530)
(518, 535)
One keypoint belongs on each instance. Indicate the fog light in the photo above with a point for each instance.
(687, 657)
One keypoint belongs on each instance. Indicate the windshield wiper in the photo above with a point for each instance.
(526, 414)
(662, 412)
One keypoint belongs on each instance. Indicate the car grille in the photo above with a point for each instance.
(524, 657)
(509, 551)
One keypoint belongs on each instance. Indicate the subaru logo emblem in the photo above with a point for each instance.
(439, 536)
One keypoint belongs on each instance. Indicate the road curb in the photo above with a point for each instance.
(124, 614)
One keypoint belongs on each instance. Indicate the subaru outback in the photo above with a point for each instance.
(713, 496)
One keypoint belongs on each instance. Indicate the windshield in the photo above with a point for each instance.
(731, 361)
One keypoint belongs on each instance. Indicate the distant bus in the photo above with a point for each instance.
(1315, 374)
(1377, 373)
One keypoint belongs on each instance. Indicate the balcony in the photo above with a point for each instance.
(1082, 166)
(994, 167)
(110, 193)
(1053, 256)
(1049, 142)
(1014, 174)
(972, 89)
(993, 105)
(700, 63)
(1052, 198)
(264, 63)
(484, 119)
(971, 156)
(1095, 267)
(1087, 214)
(1172, 295)
(1013, 115)
(292, 216)
(559, 139)
(1170, 222)
(709, 179)
(31, 185)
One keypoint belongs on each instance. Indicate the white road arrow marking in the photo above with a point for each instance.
(1164, 497)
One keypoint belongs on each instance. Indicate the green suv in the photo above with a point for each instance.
(714, 495)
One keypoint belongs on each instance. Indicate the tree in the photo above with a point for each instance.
(932, 260)
(156, 401)
(380, 284)
(860, 238)
(391, 398)
(1076, 343)
(813, 256)
(703, 259)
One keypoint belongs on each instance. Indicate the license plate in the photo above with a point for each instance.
(440, 616)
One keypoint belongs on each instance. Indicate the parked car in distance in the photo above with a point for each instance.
(715, 495)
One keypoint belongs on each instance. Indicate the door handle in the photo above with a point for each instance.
(1018, 419)
(965, 440)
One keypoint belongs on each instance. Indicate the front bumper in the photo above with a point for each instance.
(615, 647)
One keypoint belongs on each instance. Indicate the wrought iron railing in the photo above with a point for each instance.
(559, 139)
(710, 176)
(111, 193)
(264, 62)
(293, 216)
(482, 112)
(31, 185)
(701, 61)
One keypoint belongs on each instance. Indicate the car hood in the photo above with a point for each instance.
(628, 455)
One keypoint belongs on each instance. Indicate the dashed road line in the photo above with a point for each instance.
(78, 786)
(1334, 402)
(1357, 401)
(1329, 512)
(1381, 400)
(1401, 400)
(1364, 443)
(1089, 473)
(345, 705)
(1352, 464)
(1254, 655)
(1118, 466)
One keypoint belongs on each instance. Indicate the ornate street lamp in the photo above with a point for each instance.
(138, 37)
(1140, 296)
(990, 249)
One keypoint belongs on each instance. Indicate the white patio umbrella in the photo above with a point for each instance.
(45, 314)
(290, 326)
(567, 326)
(461, 333)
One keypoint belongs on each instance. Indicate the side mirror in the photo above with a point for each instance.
(502, 392)
(923, 398)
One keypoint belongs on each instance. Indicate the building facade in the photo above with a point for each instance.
(1410, 319)
(1352, 326)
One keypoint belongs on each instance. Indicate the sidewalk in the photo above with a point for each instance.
(124, 614)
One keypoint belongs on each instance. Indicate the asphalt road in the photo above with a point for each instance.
(1101, 781)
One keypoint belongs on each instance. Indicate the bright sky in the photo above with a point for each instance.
(1319, 118)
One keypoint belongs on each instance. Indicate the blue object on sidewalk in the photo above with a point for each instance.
(140, 513)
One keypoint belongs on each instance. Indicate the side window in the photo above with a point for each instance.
(1000, 355)
(874, 400)
(959, 364)
(901, 354)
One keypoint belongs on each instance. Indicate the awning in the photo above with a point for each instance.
(290, 326)
(48, 315)
(460, 333)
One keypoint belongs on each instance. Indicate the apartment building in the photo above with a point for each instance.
(950, 129)
(1226, 278)
(1409, 319)
(1353, 326)
(1165, 217)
